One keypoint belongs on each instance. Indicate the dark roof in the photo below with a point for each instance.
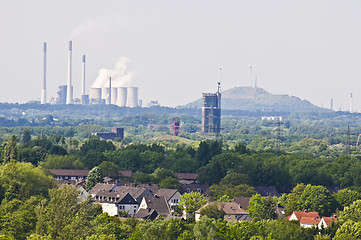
(146, 214)
(136, 192)
(242, 201)
(159, 204)
(102, 187)
(70, 172)
(152, 187)
(167, 193)
(194, 187)
(266, 191)
(187, 176)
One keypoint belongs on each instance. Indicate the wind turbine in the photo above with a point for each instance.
(250, 72)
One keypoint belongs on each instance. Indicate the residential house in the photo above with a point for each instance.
(116, 203)
(187, 187)
(103, 187)
(70, 174)
(242, 201)
(232, 211)
(80, 174)
(157, 203)
(187, 177)
(171, 195)
(306, 219)
(326, 221)
(137, 192)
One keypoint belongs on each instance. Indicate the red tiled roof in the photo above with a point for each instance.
(310, 220)
(300, 215)
(329, 220)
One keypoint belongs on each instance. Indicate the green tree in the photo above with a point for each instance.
(213, 211)
(352, 212)
(94, 144)
(10, 151)
(22, 180)
(262, 208)
(64, 216)
(225, 198)
(191, 202)
(109, 169)
(345, 197)
(217, 191)
(317, 198)
(350, 230)
(17, 218)
(26, 137)
(205, 228)
(169, 182)
(62, 162)
(94, 177)
(292, 198)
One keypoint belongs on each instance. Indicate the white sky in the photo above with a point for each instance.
(306, 48)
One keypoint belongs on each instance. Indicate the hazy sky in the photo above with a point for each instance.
(306, 48)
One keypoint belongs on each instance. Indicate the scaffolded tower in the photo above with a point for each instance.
(176, 126)
(211, 111)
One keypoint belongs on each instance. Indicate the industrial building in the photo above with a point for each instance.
(211, 111)
(115, 133)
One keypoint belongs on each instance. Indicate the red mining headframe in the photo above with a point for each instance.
(176, 126)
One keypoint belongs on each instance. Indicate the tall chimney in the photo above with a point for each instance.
(83, 82)
(69, 92)
(43, 90)
(351, 103)
(110, 91)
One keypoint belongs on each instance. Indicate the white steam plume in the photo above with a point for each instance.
(120, 75)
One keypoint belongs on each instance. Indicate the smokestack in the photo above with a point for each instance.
(43, 90)
(83, 81)
(351, 110)
(69, 94)
(332, 104)
(110, 91)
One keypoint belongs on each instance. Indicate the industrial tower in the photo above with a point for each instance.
(211, 111)
(176, 126)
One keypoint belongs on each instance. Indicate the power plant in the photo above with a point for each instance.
(110, 91)
(211, 111)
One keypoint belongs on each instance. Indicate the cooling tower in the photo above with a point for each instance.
(122, 96)
(132, 98)
(105, 94)
(114, 96)
(96, 93)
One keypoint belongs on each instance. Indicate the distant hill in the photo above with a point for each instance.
(258, 99)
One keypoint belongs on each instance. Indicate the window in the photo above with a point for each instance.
(73, 178)
(229, 216)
